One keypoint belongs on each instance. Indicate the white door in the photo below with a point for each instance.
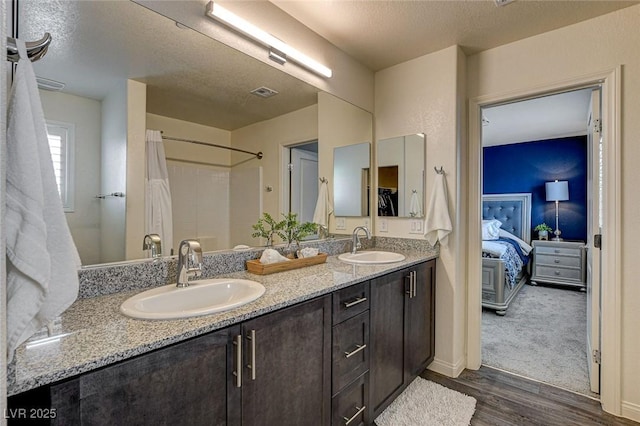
(304, 183)
(594, 227)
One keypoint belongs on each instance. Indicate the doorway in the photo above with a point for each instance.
(611, 379)
(301, 179)
(543, 334)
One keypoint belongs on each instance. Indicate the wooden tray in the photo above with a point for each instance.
(255, 267)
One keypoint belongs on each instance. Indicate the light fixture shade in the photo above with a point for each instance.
(557, 191)
(284, 51)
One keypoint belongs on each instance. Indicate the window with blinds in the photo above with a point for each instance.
(61, 144)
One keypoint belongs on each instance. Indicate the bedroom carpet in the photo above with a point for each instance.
(425, 403)
(542, 337)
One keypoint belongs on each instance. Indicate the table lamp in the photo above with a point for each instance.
(557, 191)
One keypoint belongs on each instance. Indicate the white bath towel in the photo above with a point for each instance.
(43, 262)
(324, 207)
(415, 207)
(437, 225)
(159, 217)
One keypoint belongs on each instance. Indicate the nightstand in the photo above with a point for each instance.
(559, 262)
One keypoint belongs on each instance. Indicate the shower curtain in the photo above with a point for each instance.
(158, 217)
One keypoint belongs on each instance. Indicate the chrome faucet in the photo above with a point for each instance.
(355, 239)
(189, 261)
(154, 243)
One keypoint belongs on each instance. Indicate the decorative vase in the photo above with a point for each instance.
(543, 235)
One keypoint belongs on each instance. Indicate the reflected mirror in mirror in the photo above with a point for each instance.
(351, 180)
(191, 87)
(401, 163)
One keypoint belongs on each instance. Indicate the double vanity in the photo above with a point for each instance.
(333, 343)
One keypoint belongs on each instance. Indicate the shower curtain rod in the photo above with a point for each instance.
(258, 154)
(35, 49)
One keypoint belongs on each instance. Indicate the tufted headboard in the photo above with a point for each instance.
(513, 210)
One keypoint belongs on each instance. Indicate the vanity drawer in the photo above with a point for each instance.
(350, 407)
(350, 301)
(350, 350)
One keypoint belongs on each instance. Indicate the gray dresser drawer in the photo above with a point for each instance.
(559, 273)
(567, 251)
(574, 261)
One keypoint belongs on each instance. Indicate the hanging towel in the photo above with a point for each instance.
(42, 259)
(415, 209)
(323, 206)
(437, 225)
(159, 218)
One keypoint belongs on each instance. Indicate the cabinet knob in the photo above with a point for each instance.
(556, 260)
(557, 272)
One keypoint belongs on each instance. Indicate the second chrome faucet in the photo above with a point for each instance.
(189, 261)
(355, 239)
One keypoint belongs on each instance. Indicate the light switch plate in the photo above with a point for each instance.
(415, 226)
(341, 223)
(384, 225)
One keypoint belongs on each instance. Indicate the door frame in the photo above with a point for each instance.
(285, 176)
(611, 308)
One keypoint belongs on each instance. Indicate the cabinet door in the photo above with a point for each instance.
(184, 383)
(420, 321)
(287, 379)
(387, 322)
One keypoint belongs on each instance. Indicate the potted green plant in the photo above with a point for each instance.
(267, 227)
(293, 231)
(543, 231)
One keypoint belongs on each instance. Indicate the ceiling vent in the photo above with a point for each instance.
(503, 2)
(264, 92)
(46, 84)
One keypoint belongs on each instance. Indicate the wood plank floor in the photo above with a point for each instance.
(506, 399)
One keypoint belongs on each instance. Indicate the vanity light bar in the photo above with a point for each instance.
(219, 13)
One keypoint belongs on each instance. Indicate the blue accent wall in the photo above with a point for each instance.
(525, 167)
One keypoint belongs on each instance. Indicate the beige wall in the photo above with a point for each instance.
(136, 168)
(549, 59)
(86, 115)
(269, 137)
(422, 96)
(340, 124)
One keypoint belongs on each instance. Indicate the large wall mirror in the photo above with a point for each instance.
(351, 180)
(401, 163)
(126, 68)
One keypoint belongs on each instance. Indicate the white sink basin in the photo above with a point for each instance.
(202, 297)
(371, 257)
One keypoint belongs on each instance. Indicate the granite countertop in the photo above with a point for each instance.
(94, 333)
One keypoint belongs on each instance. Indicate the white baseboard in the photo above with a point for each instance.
(631, 411)
(446, 368)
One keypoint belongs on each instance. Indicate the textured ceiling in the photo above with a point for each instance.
(381, 34)
(97, 45)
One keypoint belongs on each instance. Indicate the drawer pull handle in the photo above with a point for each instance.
(352, 353)
(557, 272)
(238, 373)
(556, 251)
(252, 366)
(556, 260)
(355, 302)
(348, 420)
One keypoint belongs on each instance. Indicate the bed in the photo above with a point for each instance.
(502, 277)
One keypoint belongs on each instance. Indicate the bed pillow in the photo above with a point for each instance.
(491, 229)
(526, 248)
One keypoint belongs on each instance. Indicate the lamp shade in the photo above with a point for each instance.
(557, 191)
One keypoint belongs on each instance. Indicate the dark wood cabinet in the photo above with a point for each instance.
(402, 331)
(343, 356)
(186, 383)
(287, 374)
